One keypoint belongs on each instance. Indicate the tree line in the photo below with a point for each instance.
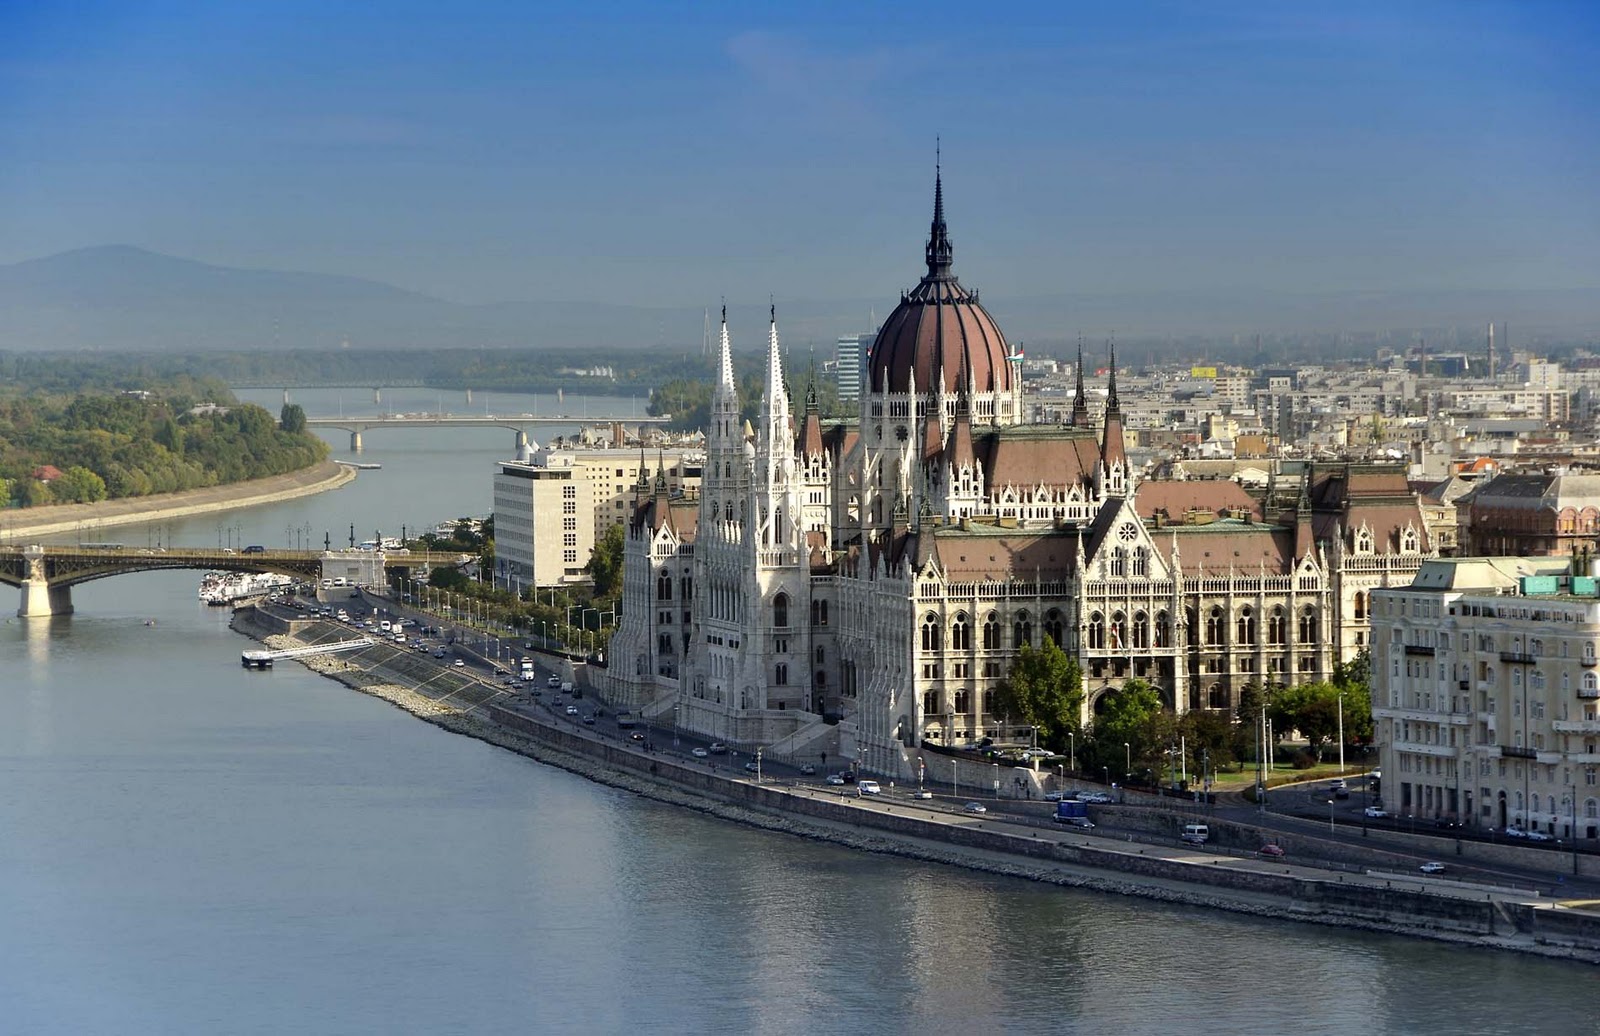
(110, 445)
(1133, 734)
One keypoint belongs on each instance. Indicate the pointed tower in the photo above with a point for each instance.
(726, 475)
(1080, 399)
(1113, 470)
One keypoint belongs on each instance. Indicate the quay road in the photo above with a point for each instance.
(480, 679)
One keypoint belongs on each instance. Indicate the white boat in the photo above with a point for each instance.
(221, 588)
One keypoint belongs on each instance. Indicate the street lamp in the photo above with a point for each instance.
(1127, 760)
(1072, 752)
(997, 782)
(758, 764)
(1330, 816)
(1341, 733)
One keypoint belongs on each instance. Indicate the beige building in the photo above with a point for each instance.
(552, 507)
(1485, 695)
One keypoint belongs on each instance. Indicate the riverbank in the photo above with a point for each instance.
(89, 520)
(1394, 904)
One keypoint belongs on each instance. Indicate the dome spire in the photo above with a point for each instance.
(939, 250)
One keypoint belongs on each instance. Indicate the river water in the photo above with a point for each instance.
(189, 847)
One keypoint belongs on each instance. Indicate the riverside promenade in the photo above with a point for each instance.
(90, 520)
(1376, 899)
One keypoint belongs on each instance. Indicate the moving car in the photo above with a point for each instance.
(752, 767)
(554, 681)
(975, 807)
(572, 710)
(1375, 813)
(806, 770)
(461, 663)
(1432, 867)
(699, 753)
(1271, 849)
(922, 793)
(868, 788)
(1083, 822)
(1539, 836)
(834, 778)
(718, 748)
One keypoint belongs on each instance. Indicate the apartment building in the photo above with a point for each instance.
(1485, 700)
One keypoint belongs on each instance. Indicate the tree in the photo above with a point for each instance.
(1310, 708)
(1044, 689)
(292, 418)
(79, 485)
(448, 577)
(605, 562)
(1131, 715)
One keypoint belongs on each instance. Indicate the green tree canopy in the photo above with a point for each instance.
(605, 562)
(1310, 708)
(292, 418)
(1044, 689)
(1132, 715)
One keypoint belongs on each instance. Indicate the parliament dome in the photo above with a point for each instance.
(939, 330)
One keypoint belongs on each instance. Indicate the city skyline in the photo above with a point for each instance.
(661, 158)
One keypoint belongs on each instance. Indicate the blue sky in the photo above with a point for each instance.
(668, 154)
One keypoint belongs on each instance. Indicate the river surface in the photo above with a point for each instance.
(190, 847)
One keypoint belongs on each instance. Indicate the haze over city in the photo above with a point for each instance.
(1179, 158)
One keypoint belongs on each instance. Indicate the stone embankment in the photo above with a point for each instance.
(89, 519)
(1404, 907)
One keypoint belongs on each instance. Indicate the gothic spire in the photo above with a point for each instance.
(1112, 403)
(1080, 401)
(725, 382)
(939, 251)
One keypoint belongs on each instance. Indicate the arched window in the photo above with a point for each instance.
(1245, 627)
(931, 639)
(1361, 604)
(1097, 631)
(1141, 630)
(1141, 561)
(1163, 630)
(1591, 809)
(1119, 562)
(961, 633)
(1589, 682)
(1119, 632)
(1022, 630)
(1214, 625)
(780, 611)
(663, 588)
(991, 632)
(1216, 697)
(1191, 629)
(1053, 626)
(1308, 626)
(1276, 632)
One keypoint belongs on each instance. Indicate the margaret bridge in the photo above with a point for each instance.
(47, 574)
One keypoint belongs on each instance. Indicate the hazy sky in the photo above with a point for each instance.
(654, 153)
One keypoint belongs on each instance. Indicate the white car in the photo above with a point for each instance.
(1432, 867)
(1052, 796)
(1375, 813)
(868, 788)
(834, 778)
(699, 753)
(572, 710)
(461, 663)
(976, 807)
(922, 793)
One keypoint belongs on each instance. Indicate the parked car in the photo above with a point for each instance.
(1052, 796)
(699, 753)
(1516, 832)
(752, 767)
(834, 778)
(1083, 822)
(806, 770)
(922, 793)
(718, 748)
(588, 721)
(1539, 836)
(1432, 867)
(1375, 812)
(1098, 797)
(975, 807)
(461, 663)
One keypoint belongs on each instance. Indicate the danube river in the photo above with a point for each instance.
(188, 847)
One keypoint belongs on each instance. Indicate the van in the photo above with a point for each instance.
(1196, 834)
(868, 788)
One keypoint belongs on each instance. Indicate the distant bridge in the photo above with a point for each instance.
(47, 574)
(519, 423)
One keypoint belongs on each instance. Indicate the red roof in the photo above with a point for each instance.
(47, 473)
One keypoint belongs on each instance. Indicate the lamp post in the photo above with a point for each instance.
(1127, 761)
(1330, 816)
(1072, 752)
(1341, 733)
(675, 741)
(758, 764)
(997, 782)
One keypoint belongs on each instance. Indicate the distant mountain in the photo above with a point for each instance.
(121, 298)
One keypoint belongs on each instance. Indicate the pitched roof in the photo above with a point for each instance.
(1026, 455)
(987, 552)
(1178, 498)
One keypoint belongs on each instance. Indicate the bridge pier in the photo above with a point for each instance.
(355, 442)
(285, 397)
(39, 596)
(469, 397)
(377, 395)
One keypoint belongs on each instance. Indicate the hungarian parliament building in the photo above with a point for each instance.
(872, 580)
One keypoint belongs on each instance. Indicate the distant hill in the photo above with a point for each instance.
(122, 298)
